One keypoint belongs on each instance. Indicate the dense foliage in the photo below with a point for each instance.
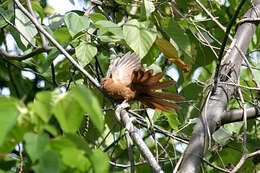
(55, 120)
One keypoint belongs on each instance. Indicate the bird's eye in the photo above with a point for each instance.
(103, 80)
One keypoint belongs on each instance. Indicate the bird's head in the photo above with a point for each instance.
(105, 81)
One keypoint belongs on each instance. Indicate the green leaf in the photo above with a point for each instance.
(76, 23)
(110, 27)
(35, 144)
(38, 8)
(75, 158)
(55, 21)
(149, 8)
(109, 38)
(97, 17)
(42, 106)
(140, 36)
(222, 136)
(8, 115)
(257, 72)
(90, 104)
(25, 26)
(175, 32)
(49, 162)
(61, 142)
(173, 120)
(233, 127)
(68, 113)
(85, 52)
(8, 15)
(62, 36)
(245, 74)
(50, 58)
(151, 56)
(100, 161)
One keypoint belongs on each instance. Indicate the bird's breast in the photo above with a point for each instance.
(119, 91)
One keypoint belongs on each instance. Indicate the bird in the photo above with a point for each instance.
(126, 80)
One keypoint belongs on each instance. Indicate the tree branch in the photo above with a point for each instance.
(125, 118)
(8, 22)
(23, 57)
(146, 153)
(56, 44)
(44, 42)
(216, 107)
(34, 52)
(237, 115)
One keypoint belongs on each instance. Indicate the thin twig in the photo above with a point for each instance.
(210, 15)
(53, 75)
(130, 151)
(215, 167)
(248, 20)
(221, 52)
(103, 140)
(178, 164)
(44, 42)
(21, 158)
(238, 85)
(12, 80)
(29, 70)
(124, 117)
(36, 51)
(114, 143)
(153, 135)
(136, 164)
(7, 21)
(240, 163)
(249, 66)
(164, 151)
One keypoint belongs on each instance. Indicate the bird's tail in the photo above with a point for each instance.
(146, 84)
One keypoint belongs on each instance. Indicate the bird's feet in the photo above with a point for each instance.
(119, 108)
(129, 121)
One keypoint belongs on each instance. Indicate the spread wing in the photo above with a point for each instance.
(121, 69)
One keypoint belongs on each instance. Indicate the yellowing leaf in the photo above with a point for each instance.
(171, 53)
(167, 48)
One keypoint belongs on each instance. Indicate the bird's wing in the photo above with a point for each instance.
(122, 68)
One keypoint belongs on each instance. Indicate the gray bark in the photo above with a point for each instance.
(214, 111)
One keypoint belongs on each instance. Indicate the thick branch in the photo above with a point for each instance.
(237, 115)
(213, 111)
(146, 153)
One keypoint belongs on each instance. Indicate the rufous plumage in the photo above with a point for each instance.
(126, 80)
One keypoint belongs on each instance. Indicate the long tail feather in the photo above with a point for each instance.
(160, 107)
(147, 75)
(154, 79)
(165, 103)
(167, 96)
(145, 84)
(162, 85)
(158, 103)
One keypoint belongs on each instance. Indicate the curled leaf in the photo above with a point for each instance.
(171, 53)
(180, 64)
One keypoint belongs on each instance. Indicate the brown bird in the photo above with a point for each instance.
(126, 80)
